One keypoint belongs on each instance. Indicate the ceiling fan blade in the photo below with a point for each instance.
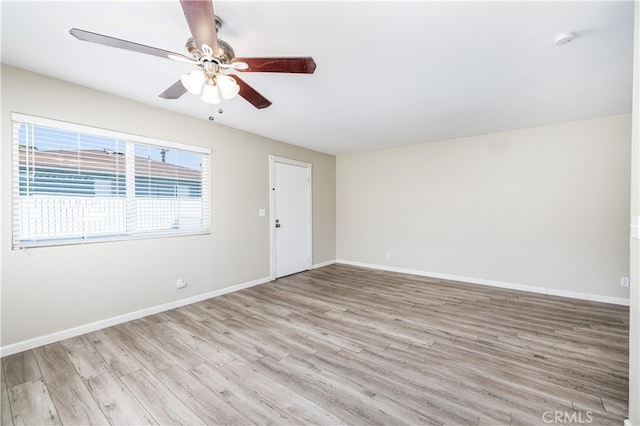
(174, 91)
(251, 95)
(124, 44)
(304, 65)
(202, 23)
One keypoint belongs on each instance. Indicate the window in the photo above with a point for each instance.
(78, 184)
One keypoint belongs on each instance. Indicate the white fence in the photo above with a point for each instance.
(46, 217)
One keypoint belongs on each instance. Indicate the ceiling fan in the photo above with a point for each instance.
(213, 59)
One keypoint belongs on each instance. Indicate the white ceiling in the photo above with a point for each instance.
(389, 73)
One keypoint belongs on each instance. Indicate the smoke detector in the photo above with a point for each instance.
(563, 38)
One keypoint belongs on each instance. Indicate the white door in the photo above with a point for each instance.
(291, 216)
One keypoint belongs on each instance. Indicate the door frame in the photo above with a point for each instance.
(273, 159)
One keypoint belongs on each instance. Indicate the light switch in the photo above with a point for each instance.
(262, 212)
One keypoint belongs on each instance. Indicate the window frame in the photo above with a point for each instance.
(131, 141)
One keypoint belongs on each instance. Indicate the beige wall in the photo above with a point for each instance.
(543, 207)
(48, 290)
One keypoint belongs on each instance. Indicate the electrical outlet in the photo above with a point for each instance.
(180, 283)
(388, 255)
(624, 281)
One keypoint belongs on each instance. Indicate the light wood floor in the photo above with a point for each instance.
(337, 345)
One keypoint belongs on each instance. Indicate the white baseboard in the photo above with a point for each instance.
(87, 328)
(321, 264)
(627, 422)
(500, 284)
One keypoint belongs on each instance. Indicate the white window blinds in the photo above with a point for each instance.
(74, 184)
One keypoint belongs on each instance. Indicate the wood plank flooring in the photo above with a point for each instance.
(337, 345)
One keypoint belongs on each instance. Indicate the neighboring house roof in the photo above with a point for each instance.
(105, 161)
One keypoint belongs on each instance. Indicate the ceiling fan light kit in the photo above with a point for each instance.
(210, 93)
(212, 56)
(194, 81)
(207, 84)
(227, 85)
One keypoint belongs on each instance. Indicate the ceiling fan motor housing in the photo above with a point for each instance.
(225, 51)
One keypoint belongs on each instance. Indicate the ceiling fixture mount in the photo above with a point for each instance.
(213, 58)
(564, 38)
